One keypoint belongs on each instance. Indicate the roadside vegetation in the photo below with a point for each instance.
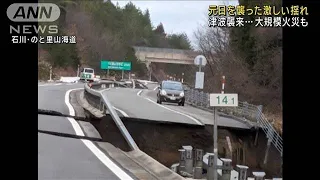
(251, 60)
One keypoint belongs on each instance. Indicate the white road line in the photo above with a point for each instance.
(122, 112)
(100, 155)
(183, 114)
(139, 92)
(155, 88)
(57, 84)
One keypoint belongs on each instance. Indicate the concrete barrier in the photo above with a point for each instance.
(224, 166)
(69, 79)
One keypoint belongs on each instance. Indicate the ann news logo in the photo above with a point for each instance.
(33, 12)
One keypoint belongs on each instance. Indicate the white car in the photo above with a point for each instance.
(87, 74)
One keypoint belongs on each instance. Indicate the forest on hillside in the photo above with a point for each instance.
(105, 31)
(249, 57)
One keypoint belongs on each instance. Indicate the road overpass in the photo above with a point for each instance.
(164, 55)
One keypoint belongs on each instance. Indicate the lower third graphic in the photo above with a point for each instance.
(44, 39)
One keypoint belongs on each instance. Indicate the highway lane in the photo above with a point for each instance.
(67, 158)
(142, 104)
(149, 109)
(129, 101)
(204, 116)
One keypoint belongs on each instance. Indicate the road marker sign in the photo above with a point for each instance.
(223, 100)
(199, 80)
(200, 60)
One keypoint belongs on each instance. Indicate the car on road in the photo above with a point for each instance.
(171, 91)
(87, 74)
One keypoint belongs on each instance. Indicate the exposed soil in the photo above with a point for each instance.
(162, 141)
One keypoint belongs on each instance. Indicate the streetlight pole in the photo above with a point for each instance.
(78, 70)
(150, 71)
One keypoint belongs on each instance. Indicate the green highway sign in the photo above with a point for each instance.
(115, 65)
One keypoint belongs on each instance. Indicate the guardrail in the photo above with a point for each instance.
(94, 95)
(246, 111)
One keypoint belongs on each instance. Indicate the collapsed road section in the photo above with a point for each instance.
(161, 140)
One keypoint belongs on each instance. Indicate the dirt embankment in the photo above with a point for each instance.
(162, 141)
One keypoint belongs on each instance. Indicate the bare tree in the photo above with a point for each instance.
(93, 36)
(214, 44)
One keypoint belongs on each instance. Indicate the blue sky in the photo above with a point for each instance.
(177, 16)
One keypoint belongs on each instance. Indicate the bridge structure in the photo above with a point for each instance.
(164, 55)
(150, 55)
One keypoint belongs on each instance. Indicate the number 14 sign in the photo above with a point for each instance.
(224, 100)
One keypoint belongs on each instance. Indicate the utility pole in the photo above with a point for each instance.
(78, 70)
(50, 76)
(150, 73)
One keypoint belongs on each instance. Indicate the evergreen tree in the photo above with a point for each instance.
(136, 66)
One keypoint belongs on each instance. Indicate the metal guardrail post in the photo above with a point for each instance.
(198, 164)
(100, 104)
(210, 166)
(191, 96)
(207, 100)
(196, 98)
(226, 168)
(270, 135)
(201, 94)
(189, 159)
(186, 96)
(245, 109)
(258, 115)
(242, 170)
(258, 175)
(259, 110)
(182, 163)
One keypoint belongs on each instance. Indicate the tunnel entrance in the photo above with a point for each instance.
(161, 141)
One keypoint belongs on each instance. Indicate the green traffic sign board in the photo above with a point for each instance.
(115, 65)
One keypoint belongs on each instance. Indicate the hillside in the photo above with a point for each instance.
(105, 31)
